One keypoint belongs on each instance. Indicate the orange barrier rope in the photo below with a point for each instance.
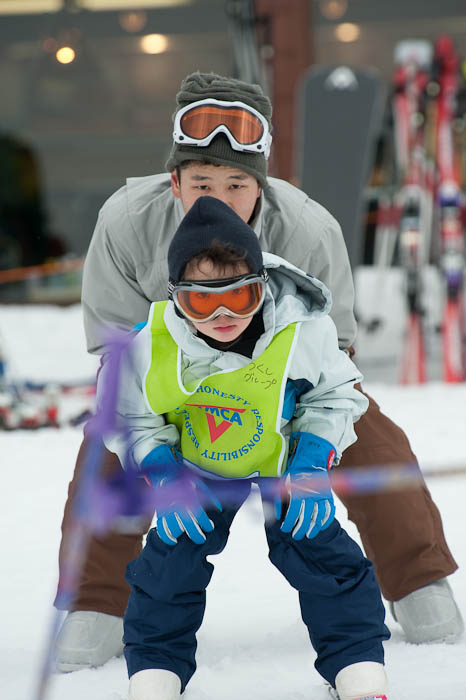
(19, 274)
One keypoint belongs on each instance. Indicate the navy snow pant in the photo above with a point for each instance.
(339, 597)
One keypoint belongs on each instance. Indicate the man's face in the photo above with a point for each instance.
(232, 186)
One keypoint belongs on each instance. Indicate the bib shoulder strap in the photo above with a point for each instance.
(157, 323)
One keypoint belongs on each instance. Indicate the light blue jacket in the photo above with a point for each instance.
(320, 396)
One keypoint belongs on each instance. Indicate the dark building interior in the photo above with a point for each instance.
(88, 89)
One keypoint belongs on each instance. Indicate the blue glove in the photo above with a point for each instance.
(181, 496)
(306, 483)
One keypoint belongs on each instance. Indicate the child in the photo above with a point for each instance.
(238, 379)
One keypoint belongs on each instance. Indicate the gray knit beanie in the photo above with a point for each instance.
(200, 86)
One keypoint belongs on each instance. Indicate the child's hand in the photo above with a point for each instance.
(185, 513)
(180, 498)
(307, 487)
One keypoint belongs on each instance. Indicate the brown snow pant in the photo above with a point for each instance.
(401, 530)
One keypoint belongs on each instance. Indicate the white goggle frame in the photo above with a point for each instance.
(216, 286)
(262, 146)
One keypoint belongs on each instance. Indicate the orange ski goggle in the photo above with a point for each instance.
(239, 297)
(246, 128)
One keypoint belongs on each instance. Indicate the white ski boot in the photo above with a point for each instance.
(429, 614)
(88, 639)
(365, 680)
(154, 684)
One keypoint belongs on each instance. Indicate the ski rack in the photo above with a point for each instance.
(425, 217)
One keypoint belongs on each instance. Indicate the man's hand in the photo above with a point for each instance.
(307, 487)
(180, 498)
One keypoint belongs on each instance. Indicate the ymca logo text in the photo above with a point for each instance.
(227, 415)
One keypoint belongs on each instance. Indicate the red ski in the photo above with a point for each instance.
(449, 203)
(414, 200)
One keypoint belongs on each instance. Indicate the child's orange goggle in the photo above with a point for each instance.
(239, 297)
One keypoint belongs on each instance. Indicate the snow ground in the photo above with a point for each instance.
(252, 640)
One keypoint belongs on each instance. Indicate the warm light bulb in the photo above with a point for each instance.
(347, 32)
(133, 21)
(154, 43)
(65, 54)
(333, 9)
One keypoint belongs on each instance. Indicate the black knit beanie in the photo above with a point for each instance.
(200, 86)
(210, 219)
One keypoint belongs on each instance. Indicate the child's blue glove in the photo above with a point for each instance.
(311, 507)
(181, 496)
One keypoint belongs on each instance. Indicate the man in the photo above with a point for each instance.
(220, 149)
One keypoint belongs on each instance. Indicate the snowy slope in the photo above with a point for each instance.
(252, 643)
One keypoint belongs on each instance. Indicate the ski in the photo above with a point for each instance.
(17, 413)
(414, 199)
(31, 405)
(85, 387)
(449, 204)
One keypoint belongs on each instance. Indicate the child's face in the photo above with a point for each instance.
(223, 328)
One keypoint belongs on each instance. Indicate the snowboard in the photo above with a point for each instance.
(340, 111)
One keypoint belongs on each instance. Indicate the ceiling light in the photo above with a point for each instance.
(65, 54)
(19, 7)
(347, 32)
(333, 9)
(123, 4)
(133, 21)
(154, 43)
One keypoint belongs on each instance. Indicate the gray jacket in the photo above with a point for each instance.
(126, 265)
(327, 404)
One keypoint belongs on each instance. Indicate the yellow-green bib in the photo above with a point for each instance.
(229, 422)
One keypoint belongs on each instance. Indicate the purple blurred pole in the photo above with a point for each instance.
(81, 522)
